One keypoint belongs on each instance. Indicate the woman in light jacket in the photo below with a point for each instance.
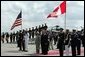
(26, 38)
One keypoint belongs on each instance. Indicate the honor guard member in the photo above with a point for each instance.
(3, 36)
(60, 44)
(42, 26)
(33, 32)
(39, 29)
(73, 42)
(82, 37)
(78, 42)
(30, 33)
(17, 37)
(11, 37)
(36, 29)
(46, 25)
(7, 37)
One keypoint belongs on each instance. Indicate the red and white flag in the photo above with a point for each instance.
(18, 21)
(61, 9)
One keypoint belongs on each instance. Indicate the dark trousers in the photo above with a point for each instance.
(83, 42)
(61, 51)
(32, 35)
(78, 47)
(20, 45)
(10, 40)
(73, 50)
(7, 39)
(37, 51)
(55, 40)
(2, 40)
(13, 39)
(23, 45)
(44, 48)
(29, 36)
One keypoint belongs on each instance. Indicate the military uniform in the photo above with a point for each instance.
(75, 43)
(38, 41)
(78, 42)
(82, 38)
(14, 37)
(2, 37)
(17, 38)
(30, 33)
(60, 44)
(7, 37)
(40, 29)
(33, 32)
(11, 38)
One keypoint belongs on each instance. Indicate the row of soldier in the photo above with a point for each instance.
(45, 39)
(13, 36)
(64, 41)
(6, 36)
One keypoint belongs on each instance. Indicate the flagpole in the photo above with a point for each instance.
(65, 22)
(21, 21)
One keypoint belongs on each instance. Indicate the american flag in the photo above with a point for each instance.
(18, 21)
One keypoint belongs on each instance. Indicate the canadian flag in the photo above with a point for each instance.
(61, 9)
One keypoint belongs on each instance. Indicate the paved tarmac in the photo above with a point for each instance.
(11, 49)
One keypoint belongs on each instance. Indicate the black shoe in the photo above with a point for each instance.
(26, 51)
(20, 50)
(78, 54)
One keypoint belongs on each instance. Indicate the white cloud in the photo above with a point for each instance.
(35, 13)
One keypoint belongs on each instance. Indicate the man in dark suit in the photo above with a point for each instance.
(44, 41)
(20, 40)
(60, 44)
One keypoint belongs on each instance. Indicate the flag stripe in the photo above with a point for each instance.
(56, 9)
(18, 21)
(63, 7)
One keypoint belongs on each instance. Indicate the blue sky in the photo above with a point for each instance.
(34, 13)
